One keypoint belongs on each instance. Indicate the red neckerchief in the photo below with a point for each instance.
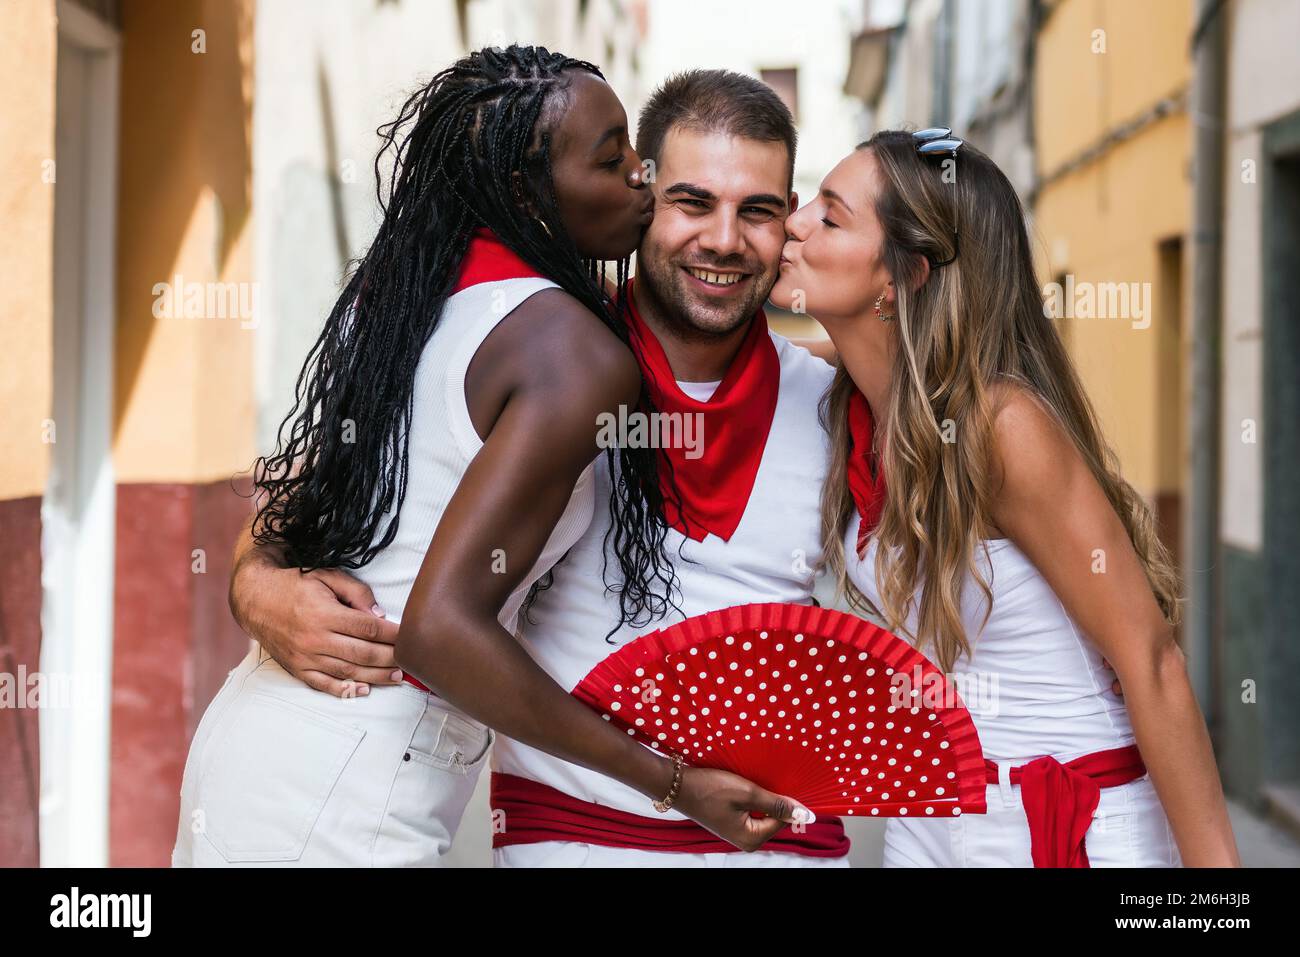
(868, 493)
(488, 259)
(715, 487)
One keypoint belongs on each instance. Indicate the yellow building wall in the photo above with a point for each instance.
(1079, 94)
(1104, 221)
(185, 404)
(28, 50)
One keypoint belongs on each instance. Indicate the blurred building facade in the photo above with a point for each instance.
(799, 51)
(129, 405)
(1035, 86)
(1112, 206)
(189, 178)
(173, 251)
(329, 73)
(962, 65)
(1258, 422)
(1088, 106)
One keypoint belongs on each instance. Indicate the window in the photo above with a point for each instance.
(786, 84)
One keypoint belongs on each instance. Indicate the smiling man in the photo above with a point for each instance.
(744, 513)
(744, 501)
(710, 261)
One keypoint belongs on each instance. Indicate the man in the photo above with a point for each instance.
(746, 526)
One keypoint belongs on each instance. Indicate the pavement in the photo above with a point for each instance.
(1261, 842)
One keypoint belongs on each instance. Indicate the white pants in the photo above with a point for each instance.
(1129, 829)
(279, 774)
(571, 854)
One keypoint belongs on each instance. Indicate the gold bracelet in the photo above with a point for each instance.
(663, 806)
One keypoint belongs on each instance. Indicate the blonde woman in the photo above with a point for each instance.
(974, 505)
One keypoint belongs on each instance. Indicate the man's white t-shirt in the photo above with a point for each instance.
(772, 557)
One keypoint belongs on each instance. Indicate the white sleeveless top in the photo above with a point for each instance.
(443, 442)
(1034, 684)
(771, 557)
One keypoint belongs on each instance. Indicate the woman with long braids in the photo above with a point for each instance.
(442, 443)
(974, 505)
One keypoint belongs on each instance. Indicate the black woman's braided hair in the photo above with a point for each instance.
(340, 468)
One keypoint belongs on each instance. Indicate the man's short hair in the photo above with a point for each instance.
(715, 101)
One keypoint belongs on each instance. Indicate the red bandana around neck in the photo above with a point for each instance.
(488, 259)
(868, 492)
(714, 486)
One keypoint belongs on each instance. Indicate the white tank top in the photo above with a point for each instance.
(1034, 684)
(771, 557)
(443, 442)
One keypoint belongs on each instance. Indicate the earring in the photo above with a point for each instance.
(880, 312)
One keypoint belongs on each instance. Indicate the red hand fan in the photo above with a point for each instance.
(804, 701)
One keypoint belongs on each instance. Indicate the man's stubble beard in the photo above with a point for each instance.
(678, 310)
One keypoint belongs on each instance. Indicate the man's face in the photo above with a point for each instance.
(711, 256)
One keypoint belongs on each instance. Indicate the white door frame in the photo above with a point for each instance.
(78, 512)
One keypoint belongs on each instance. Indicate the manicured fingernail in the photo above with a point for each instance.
(804, 816)
(363, 690)
(396, 675)
(376, 611)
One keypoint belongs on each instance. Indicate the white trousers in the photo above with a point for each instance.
(279, 774)
(571, 854)
(1129, 829)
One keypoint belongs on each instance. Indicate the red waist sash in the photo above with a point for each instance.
(534, 812)
(1060, 799)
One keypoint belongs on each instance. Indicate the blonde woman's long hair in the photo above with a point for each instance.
(976, 321)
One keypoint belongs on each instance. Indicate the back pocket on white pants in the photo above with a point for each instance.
(272, 767)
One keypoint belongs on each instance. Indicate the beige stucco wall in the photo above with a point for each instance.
(1079, 94)
(185, 404)
(1103, 222)
(27, 73)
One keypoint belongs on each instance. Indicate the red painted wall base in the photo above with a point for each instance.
(174, 642)
(20, 647)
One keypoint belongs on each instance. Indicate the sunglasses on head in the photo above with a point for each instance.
(938, 141)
